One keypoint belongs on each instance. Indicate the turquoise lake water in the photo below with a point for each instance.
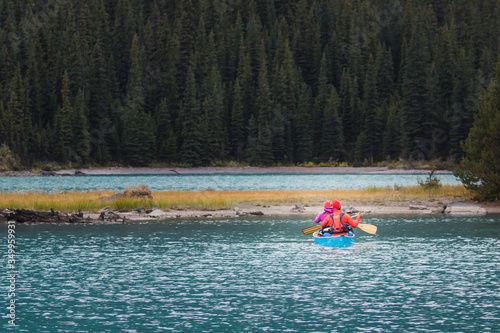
(418, 274)
(214, 182)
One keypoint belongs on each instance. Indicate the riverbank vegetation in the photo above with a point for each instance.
(194, 82)
(215, 200)
(480, 167)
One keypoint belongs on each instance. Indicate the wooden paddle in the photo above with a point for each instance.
(310, 230)
(369, 228)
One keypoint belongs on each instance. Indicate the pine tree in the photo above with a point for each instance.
(480, 167)
(132, 140)
(251, 145)
(81, 137)
(415, 97)
(264, 115)
(215, 134)
(333, 58)
(385, 74)
(169, 151)
(279, 139)
(35, 71)
(63, 127)
(244, 76)
(303, 126)
(392, 134)
(163, 122)
(346, 111)
(324, 90)
(238, 131)
(186, 32)
(371, 129)
(465, 104)
(123, 33)
(192, 139)
(263, 150)
(138, 132)
(20, 117)
(332, 135)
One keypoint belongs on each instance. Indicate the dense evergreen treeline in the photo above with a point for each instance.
(261, 81)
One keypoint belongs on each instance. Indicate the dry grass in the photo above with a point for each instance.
(214, 200)
(141, 191)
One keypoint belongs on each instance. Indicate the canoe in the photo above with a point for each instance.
(334, 241)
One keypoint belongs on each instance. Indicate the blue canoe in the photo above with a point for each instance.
(334, 241)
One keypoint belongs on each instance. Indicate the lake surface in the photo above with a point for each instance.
(418, 274)
(215, 182)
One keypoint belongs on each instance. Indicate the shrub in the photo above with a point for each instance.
(8, 160)
(142, 191)
(431, 182)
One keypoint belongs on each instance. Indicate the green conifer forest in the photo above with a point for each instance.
(263, 82)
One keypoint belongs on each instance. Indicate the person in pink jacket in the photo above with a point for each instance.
(328, 210)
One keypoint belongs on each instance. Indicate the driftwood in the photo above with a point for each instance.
(24, 215)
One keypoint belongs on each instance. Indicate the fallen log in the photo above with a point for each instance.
(25, 215)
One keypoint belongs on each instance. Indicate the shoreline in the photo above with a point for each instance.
(220, 171)
(453, 208)
(395, 202)
(244, 171)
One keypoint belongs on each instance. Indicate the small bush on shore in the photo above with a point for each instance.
(142, 191)
(8, 160)
(431, 182)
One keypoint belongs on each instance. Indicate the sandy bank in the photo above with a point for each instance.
(389, 208)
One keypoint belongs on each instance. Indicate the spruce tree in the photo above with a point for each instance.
(480, 167)
(324, 90)
(123, 33)
(63, 127)
(251, 144)
(192, 137)
(238, 130)
(302, 125)
(464, 106)
(392, 133)
(264, 114)
(414, 94)
(163, 121)
(81, 137)
(244, 76)
(138, 130)
(370, 106)
(332, 135)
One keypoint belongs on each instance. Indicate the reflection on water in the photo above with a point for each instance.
(214, 182)
(416, 274)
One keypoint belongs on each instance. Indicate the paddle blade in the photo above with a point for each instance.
(310, 230)
(369, 228)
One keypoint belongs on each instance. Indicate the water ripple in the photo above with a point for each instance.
(214, 182)
(418, 274)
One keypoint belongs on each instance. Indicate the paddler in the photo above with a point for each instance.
(338, 223)
(328, 210)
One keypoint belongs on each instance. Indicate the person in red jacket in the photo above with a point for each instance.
(338, 223)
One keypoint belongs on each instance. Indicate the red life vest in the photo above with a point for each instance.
(336, 219)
